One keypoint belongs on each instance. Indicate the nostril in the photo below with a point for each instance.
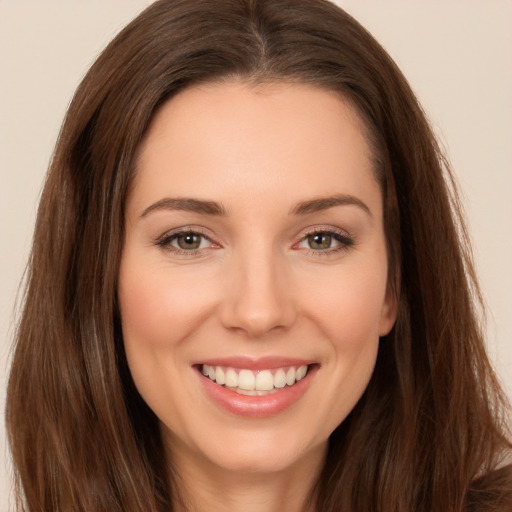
(256, 303)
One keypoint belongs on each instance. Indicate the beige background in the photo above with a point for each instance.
(457, 55)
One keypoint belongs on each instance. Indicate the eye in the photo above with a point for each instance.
(319, 241)
(325, 241)
(184, 242)
(188, 241)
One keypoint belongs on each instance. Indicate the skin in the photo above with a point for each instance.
(256, 286)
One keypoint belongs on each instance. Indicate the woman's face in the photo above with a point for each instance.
(254, 252)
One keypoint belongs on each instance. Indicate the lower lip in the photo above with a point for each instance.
(257, 406)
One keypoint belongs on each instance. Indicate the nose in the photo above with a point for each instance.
(258, 296)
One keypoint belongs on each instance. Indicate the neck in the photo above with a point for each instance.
(203, 486)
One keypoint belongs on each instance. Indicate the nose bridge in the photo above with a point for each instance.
(258, 301)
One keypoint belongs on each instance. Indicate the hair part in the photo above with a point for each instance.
(81, 436)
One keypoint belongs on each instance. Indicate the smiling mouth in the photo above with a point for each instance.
(255, 383)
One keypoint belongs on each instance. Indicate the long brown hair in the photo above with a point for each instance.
(430, 432)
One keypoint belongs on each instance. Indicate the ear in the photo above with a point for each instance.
(389, 309)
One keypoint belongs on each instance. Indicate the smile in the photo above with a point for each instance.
(254, 382)
(256, 388)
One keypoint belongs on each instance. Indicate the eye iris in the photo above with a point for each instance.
(189, 241)
(319, 241)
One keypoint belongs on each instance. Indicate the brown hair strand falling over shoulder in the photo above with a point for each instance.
(81, 436)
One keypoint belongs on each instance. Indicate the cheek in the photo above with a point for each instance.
(348, 304)
(157, 309)
(348, 311)
(159, 312)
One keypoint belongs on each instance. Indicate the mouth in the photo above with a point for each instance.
(256, 388)
(260, 382)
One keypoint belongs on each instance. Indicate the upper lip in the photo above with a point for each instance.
(260, 363)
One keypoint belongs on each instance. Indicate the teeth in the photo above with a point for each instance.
(258, 383)
(280, 379)
(231, 378)
(264, 381)
(248, 392)
(301, 372)
(246, 380)
(219, 375)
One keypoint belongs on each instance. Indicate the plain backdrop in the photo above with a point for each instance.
(457, 55)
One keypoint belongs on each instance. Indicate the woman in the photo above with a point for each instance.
(250, 286)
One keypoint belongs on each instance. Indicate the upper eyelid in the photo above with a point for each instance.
(183, 231)
(166, 240)
(345, 238)
(324, 229)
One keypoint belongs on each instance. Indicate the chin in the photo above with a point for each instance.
(262, 452)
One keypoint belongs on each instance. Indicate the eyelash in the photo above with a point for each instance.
(166, 240)
(343, 239)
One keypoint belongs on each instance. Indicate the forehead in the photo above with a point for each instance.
(234, 138)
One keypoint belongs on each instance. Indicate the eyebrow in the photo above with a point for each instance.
(186, 204)
(214, 208)
(324, 203)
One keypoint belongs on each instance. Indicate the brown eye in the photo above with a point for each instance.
(319, 241)
(325, 242)
(184, 242)
(189, 241)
